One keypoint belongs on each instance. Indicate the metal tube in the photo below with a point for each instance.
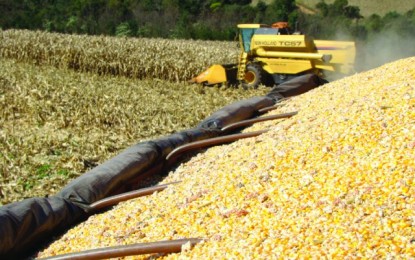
(270, 108)
(113, 200)
(248, 122)
(168, 246)
(208, 142)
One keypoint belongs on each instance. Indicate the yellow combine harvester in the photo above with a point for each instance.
(273, 54)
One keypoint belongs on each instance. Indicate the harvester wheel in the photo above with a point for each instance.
(254, 75)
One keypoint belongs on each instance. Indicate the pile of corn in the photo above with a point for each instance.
(336, 180)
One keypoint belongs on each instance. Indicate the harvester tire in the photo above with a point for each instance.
(254, 76)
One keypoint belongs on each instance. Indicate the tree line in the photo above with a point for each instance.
(195, 19)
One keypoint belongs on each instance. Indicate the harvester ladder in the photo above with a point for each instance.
(242, 65)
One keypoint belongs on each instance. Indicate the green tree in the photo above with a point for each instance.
(123, 30)
(261, 8)
(323, 8)
(281, 10)
(337, 20)
(374, 23)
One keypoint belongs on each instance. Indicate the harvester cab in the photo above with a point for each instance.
(273, 54)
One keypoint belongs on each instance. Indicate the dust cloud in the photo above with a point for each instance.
(383, 48)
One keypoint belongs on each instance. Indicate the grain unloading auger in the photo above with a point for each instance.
(270, 54)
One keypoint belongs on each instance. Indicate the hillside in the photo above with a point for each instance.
(380, 7)
(373, 7)
(366, 7)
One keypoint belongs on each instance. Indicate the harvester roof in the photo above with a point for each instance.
(252, 26)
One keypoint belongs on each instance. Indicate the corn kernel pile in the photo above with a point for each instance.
(336, 180)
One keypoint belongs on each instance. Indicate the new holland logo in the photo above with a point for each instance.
(279, 43)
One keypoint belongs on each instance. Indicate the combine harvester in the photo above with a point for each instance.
(272, 55)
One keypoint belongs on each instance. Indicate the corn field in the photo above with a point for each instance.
(140, 58)
(63, 112)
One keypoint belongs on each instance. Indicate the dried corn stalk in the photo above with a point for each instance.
(141, 58)
(56, 124)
